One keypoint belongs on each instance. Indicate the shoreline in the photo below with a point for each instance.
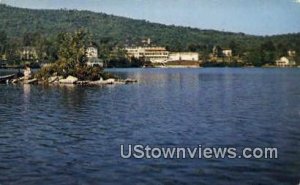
(59, 80)
(174, 67)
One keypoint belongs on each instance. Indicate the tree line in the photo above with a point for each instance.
(48, 49)
(63, 46)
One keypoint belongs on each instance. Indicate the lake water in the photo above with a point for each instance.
(72, 135)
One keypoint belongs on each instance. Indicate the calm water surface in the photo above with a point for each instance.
(72, 135)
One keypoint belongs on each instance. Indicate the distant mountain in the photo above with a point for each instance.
(119, 30)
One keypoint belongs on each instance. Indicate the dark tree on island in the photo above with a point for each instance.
(71, 59)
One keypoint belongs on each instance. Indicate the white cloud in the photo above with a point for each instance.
(297, 1)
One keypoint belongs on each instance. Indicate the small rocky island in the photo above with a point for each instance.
(98, 78)
(77, 64)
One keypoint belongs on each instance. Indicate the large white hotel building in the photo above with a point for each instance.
(152, 54)
(160, 54)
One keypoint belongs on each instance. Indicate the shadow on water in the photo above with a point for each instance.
(72, 97)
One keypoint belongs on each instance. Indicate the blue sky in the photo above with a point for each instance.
(259, 17)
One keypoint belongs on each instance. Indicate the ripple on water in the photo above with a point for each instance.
(72, 135)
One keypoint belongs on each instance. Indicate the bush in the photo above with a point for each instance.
(82, 72)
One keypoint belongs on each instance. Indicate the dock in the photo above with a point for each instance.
(4, 79)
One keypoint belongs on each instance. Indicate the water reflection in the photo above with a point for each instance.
(72, 97)
(26, 97)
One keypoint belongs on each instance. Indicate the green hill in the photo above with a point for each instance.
(18, 21)
(115, 30)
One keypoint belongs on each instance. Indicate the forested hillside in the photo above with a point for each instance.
(26, 25)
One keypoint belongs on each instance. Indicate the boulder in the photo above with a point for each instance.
(69, 80)
(27, 73)
(53, 79)
(14, 81)
(109, 81)
(32, 81)
(102, 82)
(120, 82)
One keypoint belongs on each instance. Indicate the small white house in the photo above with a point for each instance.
(28, 53)
(92, 57)
(285, 62)
(227, 52)
(92, 52)
(291, 53)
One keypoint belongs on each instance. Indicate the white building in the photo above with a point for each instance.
(291, 53)
(285, 62)
(92, 57)
(136, 52)
(147, 41)
(91, 52)
(227, 52)
(184, 56)
(28, 53)
(151, 54)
